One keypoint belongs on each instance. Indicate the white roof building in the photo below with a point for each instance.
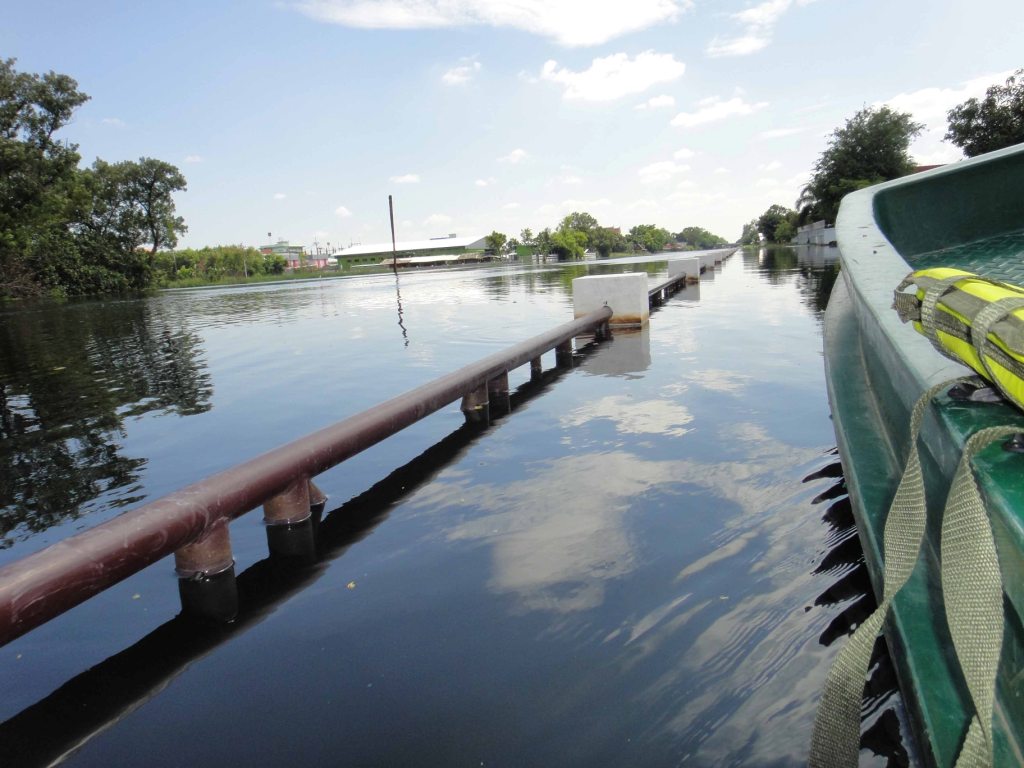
(425, 247)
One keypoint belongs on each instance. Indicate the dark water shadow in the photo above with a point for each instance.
(883, 729)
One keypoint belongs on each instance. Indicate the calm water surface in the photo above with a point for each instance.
(645, 563)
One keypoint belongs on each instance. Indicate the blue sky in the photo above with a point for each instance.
(299, 118)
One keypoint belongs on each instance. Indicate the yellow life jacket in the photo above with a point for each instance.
(972, 320)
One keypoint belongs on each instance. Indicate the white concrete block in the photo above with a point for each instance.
(707, 260)
(625, 294)
(689, 266)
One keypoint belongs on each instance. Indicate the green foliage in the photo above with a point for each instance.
(579, 222)
(216, 263)
(777, 224)
(606, 241)
(37, 177)
(871, 147)
(786, 231)
(543, 241)
(64, 230)
(750, 235)
(568, 244)
(700, 238)
(496, 242)
(648, 237)
(995, 122)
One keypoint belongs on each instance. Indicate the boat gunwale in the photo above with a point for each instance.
(896, 365)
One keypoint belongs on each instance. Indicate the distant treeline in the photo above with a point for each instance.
(212, 264)
(578, 232)
(66, 230)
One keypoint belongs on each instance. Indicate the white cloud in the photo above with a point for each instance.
(779, 133)
(763, 15)
(193, 159)
(615, 76)
(280, 195)
(683, 154)
(721, 171)
(515, 156)
(461, 73)
(744, 45)
(409, 178)
(342, 212)
(582, 205)
(661, 171)
(690, 197)
(569, 178)
(568, 22)
(657, 102)
(774, 165)
(642, 204)
(930, 105)
(437, 218)
(510, 206)
(572, 204)
(758, 23)
(714, 109)
(484, 182)
(114, 122)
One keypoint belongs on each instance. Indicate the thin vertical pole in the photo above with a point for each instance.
(394, 253)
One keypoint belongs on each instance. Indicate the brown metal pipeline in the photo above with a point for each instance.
(43, 585)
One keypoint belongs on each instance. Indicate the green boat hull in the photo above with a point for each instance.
(969, 215)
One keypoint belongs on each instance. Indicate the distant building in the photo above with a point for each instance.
(293, 254)
(818, 233)
(440, 250)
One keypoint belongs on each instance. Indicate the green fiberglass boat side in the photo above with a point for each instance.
(968, 215)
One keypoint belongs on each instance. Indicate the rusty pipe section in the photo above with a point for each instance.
(43, 585)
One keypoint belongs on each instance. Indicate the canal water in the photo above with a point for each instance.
(648, 562)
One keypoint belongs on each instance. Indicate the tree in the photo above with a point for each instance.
(213, 263)
(995, 122)
(806, 206)
(777, 224)
(579, 222)
(131, 207)
(568, 244)
(607, 240)
(871, 147)
(750, 235)
(38, 177)
(496, 242)
(700, 238)
(151, 184)
(648, 237)
(67, 230)
(543, 241)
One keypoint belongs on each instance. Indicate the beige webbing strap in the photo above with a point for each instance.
(932, 294)
(982, 324)
(972, 588)
(835, 742)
